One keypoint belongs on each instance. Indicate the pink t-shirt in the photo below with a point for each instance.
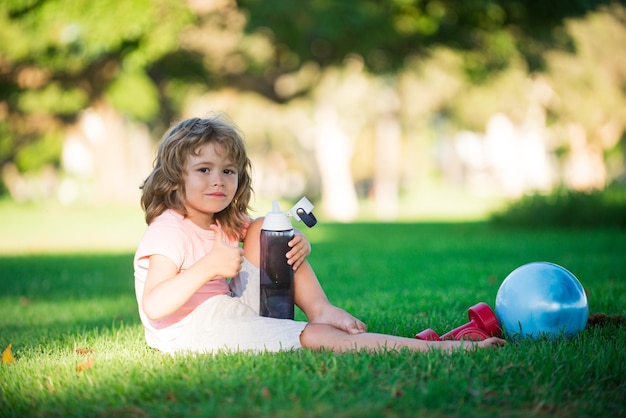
(183, 242)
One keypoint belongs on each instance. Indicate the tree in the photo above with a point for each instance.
(146, 59)
(59, 57)
(385, 32)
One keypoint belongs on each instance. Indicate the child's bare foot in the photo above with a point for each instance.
(340, 319)
(492, 342)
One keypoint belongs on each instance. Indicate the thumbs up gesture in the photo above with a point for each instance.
(226, 259)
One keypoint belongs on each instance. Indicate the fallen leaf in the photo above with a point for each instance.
(85, 365)
(125, 411)
(83, 350)
(489, 394)
(7, 355)
(49, 384)
(24, 301)
(265, 393)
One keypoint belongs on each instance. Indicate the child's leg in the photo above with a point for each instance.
(318, 336)
(309, 295)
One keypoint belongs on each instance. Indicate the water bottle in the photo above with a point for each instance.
(277, 288)
(276, 275)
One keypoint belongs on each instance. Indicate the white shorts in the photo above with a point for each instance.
(232, 322)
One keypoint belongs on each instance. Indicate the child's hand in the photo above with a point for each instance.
(227, 258)
(300, 249)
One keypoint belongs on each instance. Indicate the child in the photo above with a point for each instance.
(196, 200)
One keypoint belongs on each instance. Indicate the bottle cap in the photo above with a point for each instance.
(276, 220)
(303, 211)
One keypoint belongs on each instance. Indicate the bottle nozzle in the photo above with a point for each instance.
(276, 220)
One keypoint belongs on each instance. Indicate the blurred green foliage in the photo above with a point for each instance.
(148, 59)
(59, 57)
(135, 94)
(567, 208)
(386, 32)
(53, 98)
(46, 151)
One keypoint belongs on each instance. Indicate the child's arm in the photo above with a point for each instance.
(300, 250)
(166, 290)
(300, 246)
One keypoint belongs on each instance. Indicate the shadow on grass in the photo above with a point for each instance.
(50, 299)
(66, 276)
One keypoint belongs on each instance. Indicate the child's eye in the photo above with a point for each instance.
(203, 170)
(229, 171)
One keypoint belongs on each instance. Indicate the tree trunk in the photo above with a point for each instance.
(333, 153)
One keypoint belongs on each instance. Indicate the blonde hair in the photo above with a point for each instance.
(165, 186)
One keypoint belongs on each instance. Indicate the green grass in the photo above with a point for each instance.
(399, 278)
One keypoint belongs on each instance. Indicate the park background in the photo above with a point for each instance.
(384, 111)
(444, 143)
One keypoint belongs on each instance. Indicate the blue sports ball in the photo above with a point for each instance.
(541, 300)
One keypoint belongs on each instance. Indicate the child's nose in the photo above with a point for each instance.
(218, 178)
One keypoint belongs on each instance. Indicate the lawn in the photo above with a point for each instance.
(71, 318)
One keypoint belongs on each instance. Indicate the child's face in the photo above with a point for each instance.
(210, 183)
